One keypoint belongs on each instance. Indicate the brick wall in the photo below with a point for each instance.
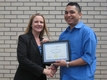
(14, 16)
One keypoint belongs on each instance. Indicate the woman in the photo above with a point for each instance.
(29, 51)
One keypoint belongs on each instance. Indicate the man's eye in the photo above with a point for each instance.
(66, 12)
(72, 12)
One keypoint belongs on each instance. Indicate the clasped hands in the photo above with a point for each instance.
(51, 70)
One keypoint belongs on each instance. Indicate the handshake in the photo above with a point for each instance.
(53, 67)
(50, 71)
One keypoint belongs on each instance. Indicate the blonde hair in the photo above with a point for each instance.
(29, 28)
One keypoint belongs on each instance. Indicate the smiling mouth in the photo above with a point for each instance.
(38, 27)
(68, 19)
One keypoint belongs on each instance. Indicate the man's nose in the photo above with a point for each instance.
(68, 14)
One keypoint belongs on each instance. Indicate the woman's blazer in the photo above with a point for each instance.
(29, 58)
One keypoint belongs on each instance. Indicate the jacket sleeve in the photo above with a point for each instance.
(24, 62)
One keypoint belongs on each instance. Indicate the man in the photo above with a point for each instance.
(83, 42)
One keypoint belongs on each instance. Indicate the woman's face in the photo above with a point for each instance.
(37, 24)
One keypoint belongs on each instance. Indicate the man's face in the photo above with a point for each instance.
(72, 16)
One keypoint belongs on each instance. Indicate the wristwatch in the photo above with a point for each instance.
(67, 64)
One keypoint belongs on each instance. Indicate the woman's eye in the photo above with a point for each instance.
(36, 21)
(41, 22)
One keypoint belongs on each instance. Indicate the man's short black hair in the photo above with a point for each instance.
(75, 4)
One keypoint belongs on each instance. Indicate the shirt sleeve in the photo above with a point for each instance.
(89, 48)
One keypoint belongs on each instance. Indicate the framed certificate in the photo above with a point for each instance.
(55, 50)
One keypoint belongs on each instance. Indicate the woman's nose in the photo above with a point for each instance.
(39, 23)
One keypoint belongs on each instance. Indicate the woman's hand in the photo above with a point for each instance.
(48, 72)
(45, 40)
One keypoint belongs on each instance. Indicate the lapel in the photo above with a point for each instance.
(33, 40)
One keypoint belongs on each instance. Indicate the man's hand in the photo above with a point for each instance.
(53, 68)
(60, 63)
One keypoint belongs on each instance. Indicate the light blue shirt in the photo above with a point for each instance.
(83, 43)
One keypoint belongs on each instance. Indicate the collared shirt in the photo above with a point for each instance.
(83, 43)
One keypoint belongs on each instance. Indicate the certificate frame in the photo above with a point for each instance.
(55, 50)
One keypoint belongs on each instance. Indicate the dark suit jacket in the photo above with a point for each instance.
(29, 58)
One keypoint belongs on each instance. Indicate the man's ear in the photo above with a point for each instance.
(80, 15)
